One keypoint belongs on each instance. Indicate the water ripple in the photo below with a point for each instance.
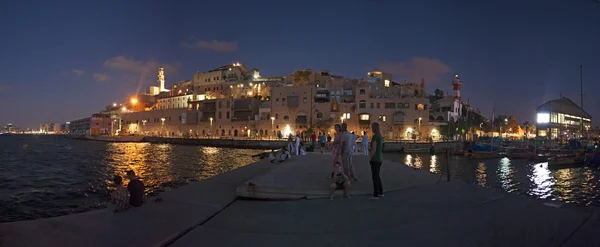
(47, 176)
(579, 185)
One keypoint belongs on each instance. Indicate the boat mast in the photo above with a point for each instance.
(581, 95)
(492, 140)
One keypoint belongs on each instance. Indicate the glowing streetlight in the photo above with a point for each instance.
(211, 120)
(272, 123)
(114, 104)
(124, 108)
(134, 101)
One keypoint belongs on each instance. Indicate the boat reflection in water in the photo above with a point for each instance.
(570, 184)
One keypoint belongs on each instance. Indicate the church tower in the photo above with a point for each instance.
(161, 79)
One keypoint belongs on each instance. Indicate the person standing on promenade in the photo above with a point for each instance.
(336, 146)
(346, 151)
(322, 140)
(136, 190)
(119, 197)
(354, 138)
(291, 143)
(313, 141)
(375, 160)
(365, 143)
(297, 144)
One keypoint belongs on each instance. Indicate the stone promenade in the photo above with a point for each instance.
(416, 211)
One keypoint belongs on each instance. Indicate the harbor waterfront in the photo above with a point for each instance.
(75, 176)
(46, 176)
(416, 205)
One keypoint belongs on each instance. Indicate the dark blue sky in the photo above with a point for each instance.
(66, 60)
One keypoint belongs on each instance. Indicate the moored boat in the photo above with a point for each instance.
(565, 160)
(486, 155)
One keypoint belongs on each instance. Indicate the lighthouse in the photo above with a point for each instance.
(456, 84)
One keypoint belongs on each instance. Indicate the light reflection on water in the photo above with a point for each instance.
(572, 185)
(46, 176)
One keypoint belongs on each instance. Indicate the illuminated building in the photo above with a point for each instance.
(402, 110)
(562, 118)
(233, 101)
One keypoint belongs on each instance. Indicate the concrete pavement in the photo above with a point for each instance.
(416, 211)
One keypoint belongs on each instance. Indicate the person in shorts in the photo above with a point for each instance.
(339, 181)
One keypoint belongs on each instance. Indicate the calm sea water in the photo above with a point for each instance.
(579, 185)
(46, 176)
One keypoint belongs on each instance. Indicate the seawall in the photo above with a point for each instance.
(260, 144)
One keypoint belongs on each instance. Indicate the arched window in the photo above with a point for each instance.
(286, 117)
(362, 104)
(362, 91)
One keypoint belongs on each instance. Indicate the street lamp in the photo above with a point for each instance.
(144, 125)
(162, 124)
(505, 129)
(420, 127)
(272, 123)
(211, 120)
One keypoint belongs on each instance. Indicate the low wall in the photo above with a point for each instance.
(230, 143)
(439, 146)
(275, 144)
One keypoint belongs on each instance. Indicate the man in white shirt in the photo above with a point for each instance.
(297, 144)
(365, 143)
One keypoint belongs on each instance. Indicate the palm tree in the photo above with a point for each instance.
(301, 77)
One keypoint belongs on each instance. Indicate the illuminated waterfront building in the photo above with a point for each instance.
(562, 118)
(233, 101)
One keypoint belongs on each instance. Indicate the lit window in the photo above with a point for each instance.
(364, 117)
(382, 118)
(387, 83)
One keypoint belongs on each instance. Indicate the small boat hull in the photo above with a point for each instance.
(565, 161)
(486, 155)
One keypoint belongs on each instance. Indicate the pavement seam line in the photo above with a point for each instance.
(577, 229)
(182, 233)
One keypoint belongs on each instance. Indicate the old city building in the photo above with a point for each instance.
(233, 101)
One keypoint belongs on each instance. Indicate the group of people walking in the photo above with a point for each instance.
(343, 147)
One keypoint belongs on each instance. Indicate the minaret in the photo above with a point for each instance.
(161, 79)
(456, 84)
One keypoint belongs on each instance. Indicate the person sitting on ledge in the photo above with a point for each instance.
(119, 197)
(136, 190)
(272, 157)
(302, 151)
(285, 154)
(339, 181)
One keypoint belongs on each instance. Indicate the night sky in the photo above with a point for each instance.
(63, 60)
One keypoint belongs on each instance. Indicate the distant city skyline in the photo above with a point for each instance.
(64, 61)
